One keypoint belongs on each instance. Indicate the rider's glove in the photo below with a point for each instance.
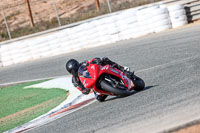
(75, 81)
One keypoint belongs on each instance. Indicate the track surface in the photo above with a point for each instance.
(168, 62)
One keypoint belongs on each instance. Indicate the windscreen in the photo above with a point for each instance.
(83, 72)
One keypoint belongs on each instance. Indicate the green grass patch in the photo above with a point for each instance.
(19, 105)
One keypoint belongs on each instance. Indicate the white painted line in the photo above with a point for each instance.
(170, 63)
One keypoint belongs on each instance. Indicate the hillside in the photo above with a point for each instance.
(44, 14)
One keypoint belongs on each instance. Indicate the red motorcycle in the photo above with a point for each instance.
(108, 80)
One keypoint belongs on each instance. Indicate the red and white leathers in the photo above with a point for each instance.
(79, 85)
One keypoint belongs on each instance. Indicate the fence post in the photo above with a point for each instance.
(30, 13)
(4, 17)
(54, 4)
(97, 5)
(108, 2)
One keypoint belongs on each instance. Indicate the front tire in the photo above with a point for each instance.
(139, 83)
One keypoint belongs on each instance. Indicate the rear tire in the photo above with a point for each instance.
(116, 91)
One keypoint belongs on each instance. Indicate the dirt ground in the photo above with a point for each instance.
(16, 11)
(190, 129)
(43, 10)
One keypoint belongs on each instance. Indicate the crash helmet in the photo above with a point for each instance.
(72, 66)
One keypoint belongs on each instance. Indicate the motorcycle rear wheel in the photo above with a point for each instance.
(114, 90)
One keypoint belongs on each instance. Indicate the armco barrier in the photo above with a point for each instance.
(193, 11)
(192, 8)
(130, 23)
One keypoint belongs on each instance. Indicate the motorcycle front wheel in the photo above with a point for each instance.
(139, 83)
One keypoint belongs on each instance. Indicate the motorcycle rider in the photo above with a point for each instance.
(73, 65)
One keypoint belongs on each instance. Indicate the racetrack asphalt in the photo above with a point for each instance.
(169, 63)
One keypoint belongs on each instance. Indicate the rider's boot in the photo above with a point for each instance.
(100, 97)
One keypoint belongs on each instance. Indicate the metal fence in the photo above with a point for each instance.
(22, 17)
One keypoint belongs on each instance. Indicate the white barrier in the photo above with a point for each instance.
(153, 19)
(177, 15)
(127, 24)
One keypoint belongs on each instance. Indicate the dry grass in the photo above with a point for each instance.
(70, 11)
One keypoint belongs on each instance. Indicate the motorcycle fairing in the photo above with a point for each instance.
(96, 71)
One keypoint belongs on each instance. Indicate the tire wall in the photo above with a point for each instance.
(107, 29)
(177, 15)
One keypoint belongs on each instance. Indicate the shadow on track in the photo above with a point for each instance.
(146, 88)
